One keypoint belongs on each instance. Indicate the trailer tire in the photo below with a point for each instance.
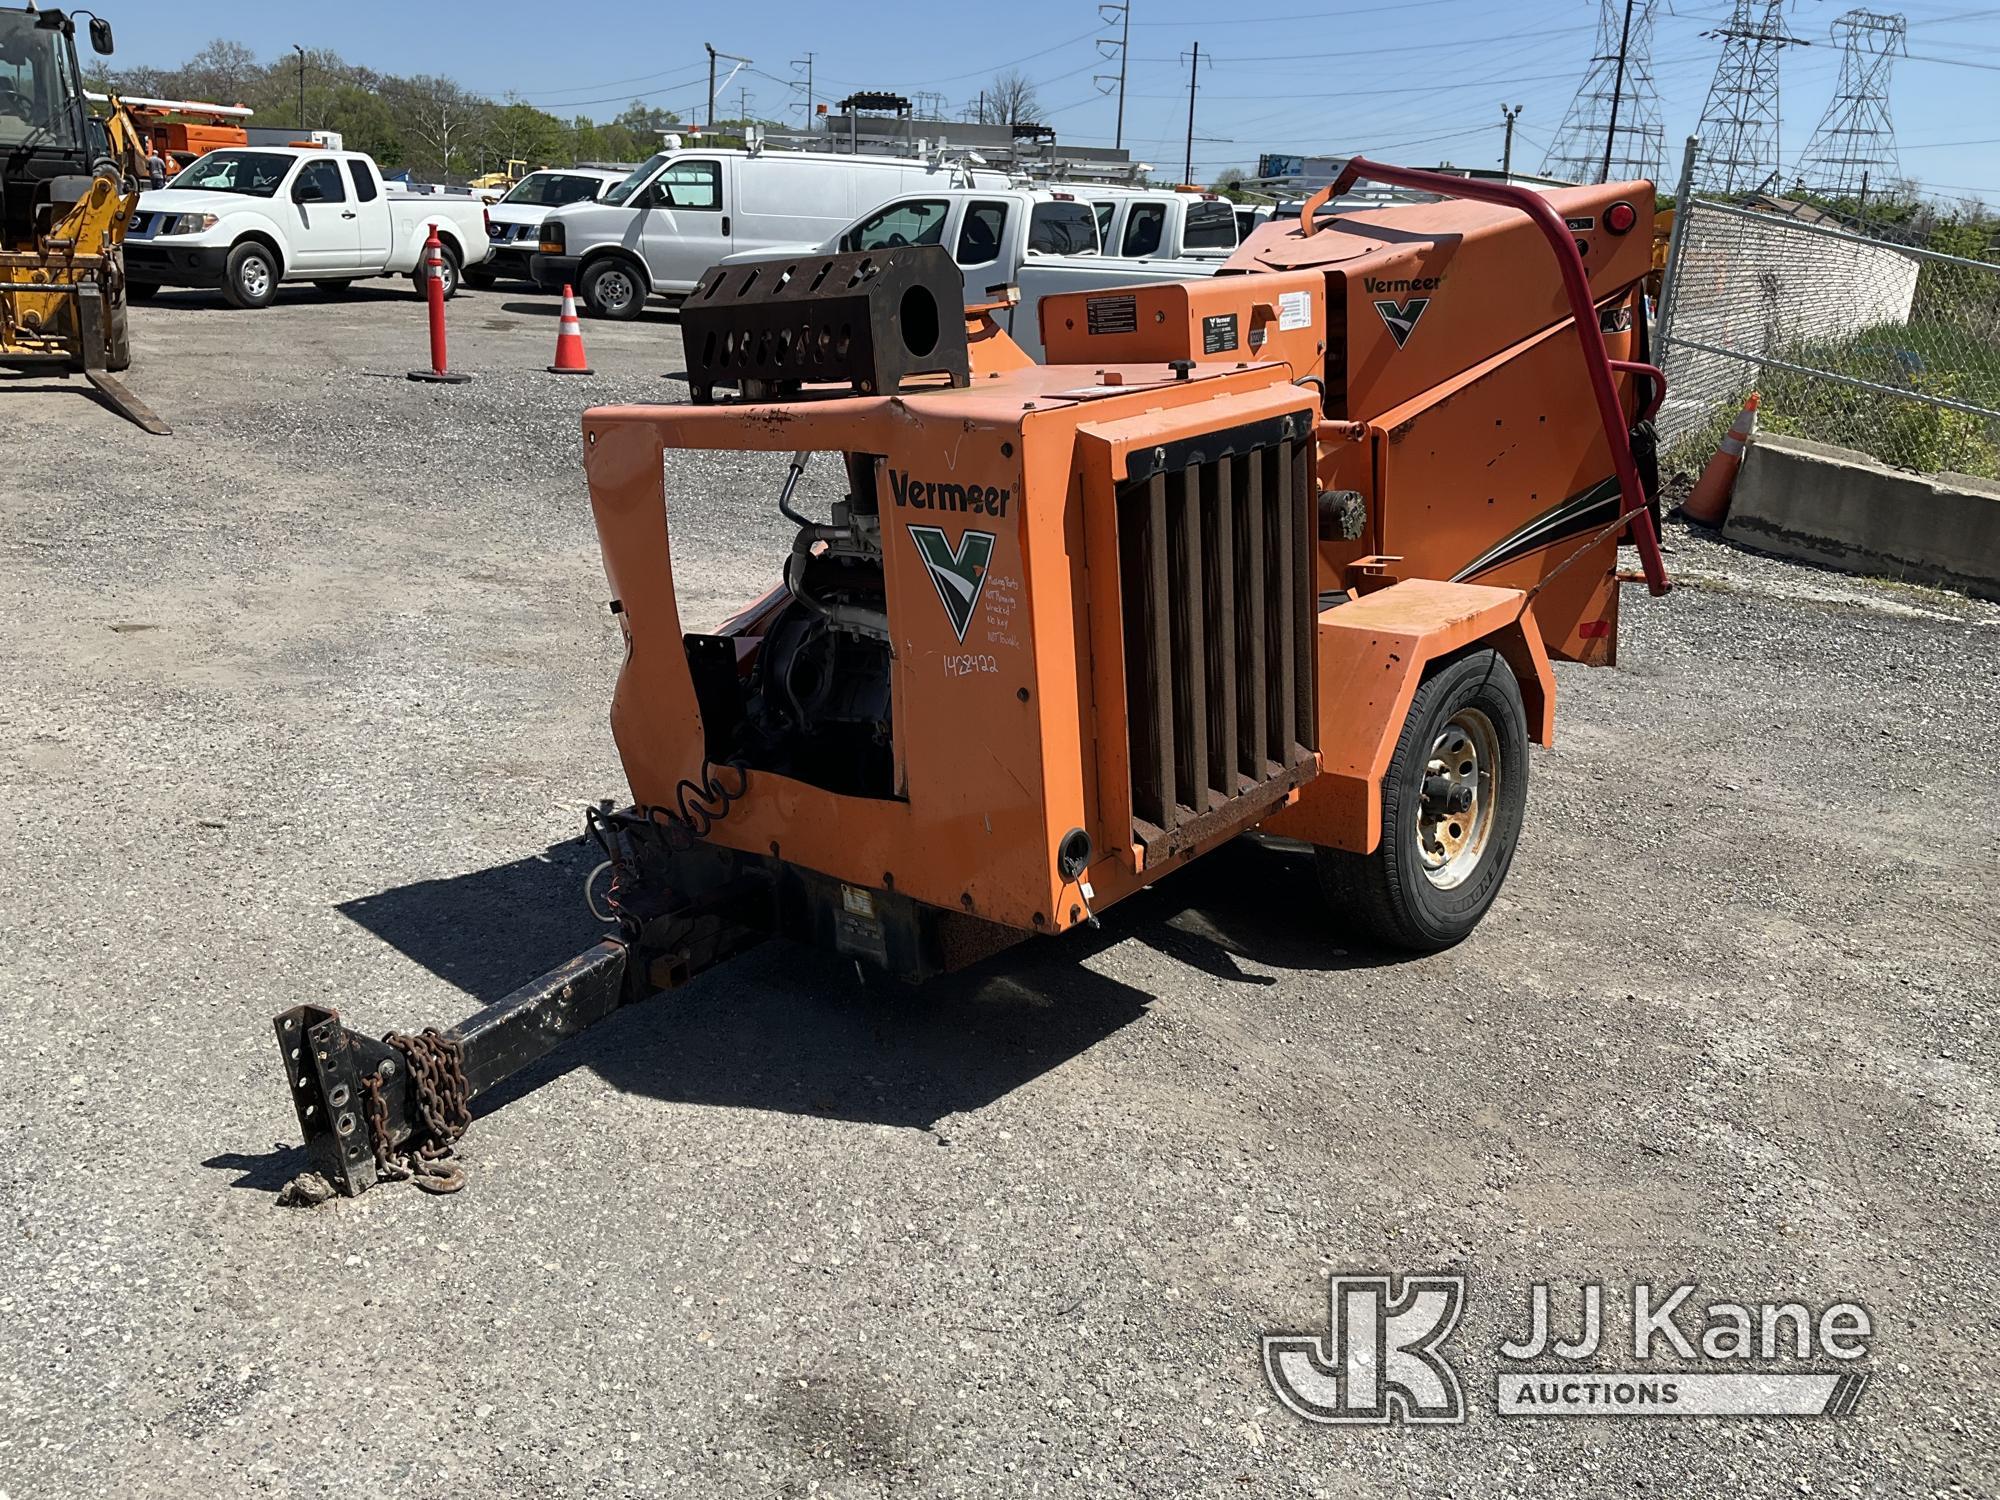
(250, 276)
(1440, 863)
(479, 278)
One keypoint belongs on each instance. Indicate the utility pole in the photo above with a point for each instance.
(708, 122)
(1124, 14)
(1507, 151)
(1617, 89)
(302, 83)
(743, 112)
(807, 63)
(1194, 72)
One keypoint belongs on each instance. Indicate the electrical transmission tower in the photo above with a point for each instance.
(1739, 123)
(1612, 130)
(1855, 144)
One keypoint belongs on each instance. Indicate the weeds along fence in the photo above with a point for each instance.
(1889, 349)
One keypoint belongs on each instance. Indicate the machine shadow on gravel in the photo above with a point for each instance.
(799, 1031)
(295, 293)
(489, 931)
(550, 306)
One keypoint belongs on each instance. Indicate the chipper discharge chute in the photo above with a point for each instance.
(1287, 549)
(68, 190)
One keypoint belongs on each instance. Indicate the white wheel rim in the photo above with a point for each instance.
(1459, 799)
(614, 289)
(256, 277)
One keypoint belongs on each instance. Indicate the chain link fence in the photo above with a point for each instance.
(1889, 349)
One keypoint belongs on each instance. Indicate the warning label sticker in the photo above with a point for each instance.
(1218, 333)
(1112, 314)
(1295, 310)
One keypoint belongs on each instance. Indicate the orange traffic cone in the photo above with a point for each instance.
(569, 341)
(1709, 504)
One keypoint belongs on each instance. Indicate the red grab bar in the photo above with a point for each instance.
(1598, 363)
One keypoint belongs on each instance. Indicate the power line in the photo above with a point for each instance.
(1265, 63)
(987, 72)
(625, 98)
(614, 82)
(1313, 15)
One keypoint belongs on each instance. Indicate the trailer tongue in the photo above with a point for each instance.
(1288, 549)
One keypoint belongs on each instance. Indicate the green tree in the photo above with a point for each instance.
(440, 122)
(520, 132)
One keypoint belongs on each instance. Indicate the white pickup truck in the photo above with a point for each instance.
(1042, 240)
(246, 218)
(991, 232)
(1157, 224)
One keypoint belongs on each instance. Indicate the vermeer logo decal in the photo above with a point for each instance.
(919, 494)
(1401, 317)
(960, 577)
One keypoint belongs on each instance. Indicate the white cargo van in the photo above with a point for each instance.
(682, 211)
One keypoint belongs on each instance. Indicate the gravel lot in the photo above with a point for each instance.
(303, 703)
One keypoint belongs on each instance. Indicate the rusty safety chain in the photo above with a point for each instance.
(444, 1110)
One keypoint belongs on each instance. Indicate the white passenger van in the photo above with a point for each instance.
(682, 211)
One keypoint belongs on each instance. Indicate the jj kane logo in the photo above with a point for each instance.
(959, 575)
(1381, 1358)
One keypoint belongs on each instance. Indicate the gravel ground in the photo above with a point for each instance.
(303, 703)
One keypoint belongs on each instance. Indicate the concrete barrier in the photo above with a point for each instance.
(1842, 509)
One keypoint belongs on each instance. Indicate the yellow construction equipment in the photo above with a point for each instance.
(68, 188)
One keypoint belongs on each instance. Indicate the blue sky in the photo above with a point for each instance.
(1414, 80)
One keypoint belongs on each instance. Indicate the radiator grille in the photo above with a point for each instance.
(1216, 565)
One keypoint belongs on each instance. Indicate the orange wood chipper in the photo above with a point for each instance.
(1288, 549)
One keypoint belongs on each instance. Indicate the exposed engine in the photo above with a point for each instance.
(812, 701)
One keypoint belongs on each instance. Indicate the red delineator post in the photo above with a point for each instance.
(440, 370)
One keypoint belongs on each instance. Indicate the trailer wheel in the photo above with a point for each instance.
(1452, 807)
(250, 277)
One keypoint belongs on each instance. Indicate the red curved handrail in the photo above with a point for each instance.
(1576, 285)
